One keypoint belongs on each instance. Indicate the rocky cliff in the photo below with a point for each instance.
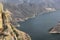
(7, 30)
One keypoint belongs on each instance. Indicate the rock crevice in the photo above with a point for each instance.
(8, 30)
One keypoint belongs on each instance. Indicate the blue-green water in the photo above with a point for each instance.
(38, 27)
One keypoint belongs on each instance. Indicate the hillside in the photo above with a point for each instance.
(24, 9)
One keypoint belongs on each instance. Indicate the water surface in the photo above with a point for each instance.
(38, 27)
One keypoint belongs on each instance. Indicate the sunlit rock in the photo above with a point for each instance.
(8, 30)
(55, 29)
(50, 9)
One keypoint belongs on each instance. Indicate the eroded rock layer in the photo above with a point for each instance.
(7, 30)
(55, 29)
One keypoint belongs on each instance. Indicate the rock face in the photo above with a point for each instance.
(7, 30)
(55, 29)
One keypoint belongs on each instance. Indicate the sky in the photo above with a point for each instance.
(55, 2)
(34, 1)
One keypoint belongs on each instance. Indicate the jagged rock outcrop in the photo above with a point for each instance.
(56, 29)
(7, 30)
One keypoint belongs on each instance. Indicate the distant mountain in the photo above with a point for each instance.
(49, 3)
(46, 3)
(25, 9)
(22, 11)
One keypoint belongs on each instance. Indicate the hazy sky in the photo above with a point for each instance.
(32, 1)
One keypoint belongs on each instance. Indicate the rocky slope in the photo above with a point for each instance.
(7, 30)
(25, 9)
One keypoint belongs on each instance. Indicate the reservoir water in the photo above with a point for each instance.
(39, 26)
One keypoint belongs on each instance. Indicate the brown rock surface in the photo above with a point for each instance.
(7, 30)
(55, 29)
